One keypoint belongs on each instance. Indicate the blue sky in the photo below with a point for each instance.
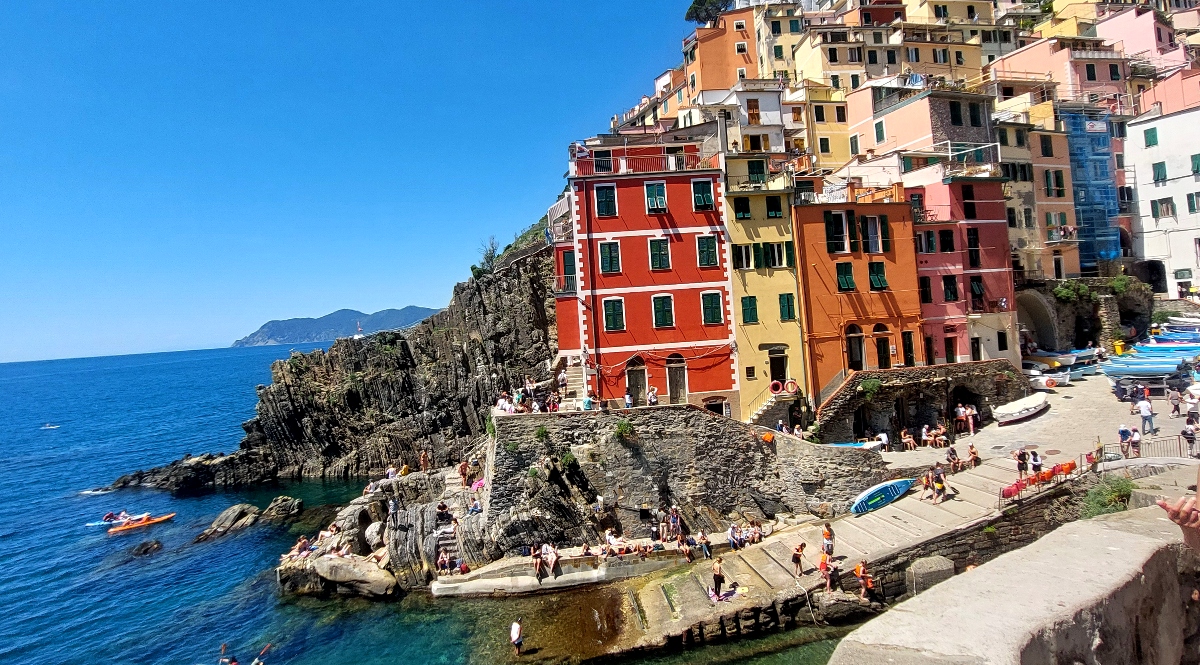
(173, 175)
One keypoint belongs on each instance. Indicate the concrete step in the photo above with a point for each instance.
(775, 575)
(862, 539)
(920, 511)
(880, 524)
(892, 519)
(654, 605)
(968, 494)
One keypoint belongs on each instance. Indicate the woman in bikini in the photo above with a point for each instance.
(798, 559)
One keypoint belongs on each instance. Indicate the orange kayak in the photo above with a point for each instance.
(146, 522)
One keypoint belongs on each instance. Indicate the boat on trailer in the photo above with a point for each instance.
(1026, 407)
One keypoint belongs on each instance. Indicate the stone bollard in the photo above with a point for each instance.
(926, 572)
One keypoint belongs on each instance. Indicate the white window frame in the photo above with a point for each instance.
(650, 260)
(774, 250)
(910, 51)
(674, 319)
(647, 199)
(712, 189)
(873, 231)
(740, 48)
(748, 264)
(596, 198)
(741, 72)
(716, 248)
(624, 317)
(845, 231)
(739, 26)
(620, 256)
(854, 54)
(721, 309)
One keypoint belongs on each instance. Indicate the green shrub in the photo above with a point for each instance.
(511, 446)
(568, 460)
(624, 430)
(491, 426)
(870, 387)
(1111, 495)
(541, 434)
(1120, 284)
(989, 530)
(1160, 316)
(533, 472)
(1073, 290)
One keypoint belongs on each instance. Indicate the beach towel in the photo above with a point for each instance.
(477, 485)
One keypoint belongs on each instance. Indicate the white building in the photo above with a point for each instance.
(1164, 153)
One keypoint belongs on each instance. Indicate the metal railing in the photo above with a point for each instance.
(1061, 234)
(747, 183)
(564, 284)
(1034, 484)
(1028, 277)
(590, 166)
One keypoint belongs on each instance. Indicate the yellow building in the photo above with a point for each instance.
(777, 27)
(816, 123)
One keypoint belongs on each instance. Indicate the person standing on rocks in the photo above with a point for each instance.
(424, 462)
(798, 559)
(827, 539)
(718, 577)
(464, 472)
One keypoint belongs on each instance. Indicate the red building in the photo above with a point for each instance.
(964, 277)
(644, 294)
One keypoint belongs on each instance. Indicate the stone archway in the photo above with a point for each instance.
(1034, 315)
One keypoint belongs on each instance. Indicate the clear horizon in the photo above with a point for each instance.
(172, 177)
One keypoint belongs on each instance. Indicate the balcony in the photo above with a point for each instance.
(981, 306)
(1061, 234)
(924, 215)
(564, 285)
(595, 166)
(1027, 278)
(1096, 55)
(759, 182)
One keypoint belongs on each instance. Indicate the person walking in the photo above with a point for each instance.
(1193, 406)
(718, 577)
(827, 539)
(1175, 400)
(1146, 410)
(865, 580)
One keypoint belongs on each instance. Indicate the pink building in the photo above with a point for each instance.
(1177, 92)
(1086, 69)
(1139, 32)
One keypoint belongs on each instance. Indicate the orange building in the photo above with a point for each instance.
(859, 296)
(715, 58)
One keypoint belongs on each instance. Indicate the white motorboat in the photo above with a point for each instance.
(1025, 407)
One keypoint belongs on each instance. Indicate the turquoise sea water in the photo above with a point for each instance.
(75, 595)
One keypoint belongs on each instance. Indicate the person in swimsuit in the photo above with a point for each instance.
(798, 559)
(973, 456)
(1022, 463)
(718, 576)
(827, 539)
(516, 635)
(537, 562)
(824, 568)
(865, 580)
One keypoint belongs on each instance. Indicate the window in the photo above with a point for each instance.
(1002, 136)
(973, 256)
(839, 113)
(1090, 71)
(959, 59)
(741, 73)
(757, 170)
(606, 200)
(1012, 217)
(740, 26)
(741, 257)
(891, 56)
(833, 54)
(614, 314)
(1060, 189)
(818, 113)
(774, 206)
(872, 57)
(926, 242)
(866, 18)
(975, 110)
(956, 114)
(775, 255)
(1029, 218)
(950, 288)
(914, 54)
(1047, 145)
(951, 344)
(710, 305)
(910, 354)
(823, 145)
(1117, 129)
(877, 37)
(1151, 136)
(854, 144)
(968, 195)
(741, 207)
(941, 56)
(656, 198)
(1195, 164)
(776, 28)
(854, 54)
(876, 234)
(794, 26)
(610, 257)
(876, 276)
(740, 47)
(1120, 159)
(1019, 135)
(749, 309)
(946, 240)
(977, 293)
(835, 81)
(845, 276)
(1160, 171)
(778, 50)
(835, 232)
(664, 311)
(926, 289)
(1191, 200)
(797, 114)
(970, 11)
(854, 82)
(702, 194)
(787, 307)
(941, 11)
(929, 357)
(1001, 340)
(706, 251)
(660, 254)
(879, 133)
(1160, 208)
(1114, 72)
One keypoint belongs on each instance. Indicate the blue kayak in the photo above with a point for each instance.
(880, 495)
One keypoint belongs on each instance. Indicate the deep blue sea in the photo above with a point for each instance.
(74, 594)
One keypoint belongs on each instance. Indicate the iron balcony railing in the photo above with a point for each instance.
(591, 166)
(564, 284)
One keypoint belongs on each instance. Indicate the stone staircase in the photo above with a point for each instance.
(576, 388)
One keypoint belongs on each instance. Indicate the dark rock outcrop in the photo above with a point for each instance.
(233, 518)
(379, 400)
(146, 547)
(282, 509)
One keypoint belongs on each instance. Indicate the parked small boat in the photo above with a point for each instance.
(1025, 407)
(880, 495)
(141, 523)
(867, 445)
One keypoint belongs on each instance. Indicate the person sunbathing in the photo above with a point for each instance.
(682, 545)
(907, 439)
(586, 550)
(536, 555)
(973, 456)
(549, 557)
(443, 562)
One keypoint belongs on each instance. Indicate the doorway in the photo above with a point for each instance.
(779, 363)
(976, 349)
(1059, 271)
(854, 347)
(951, 344)
(676, 379)
(910, 353)
(635, 380)
(883, 346)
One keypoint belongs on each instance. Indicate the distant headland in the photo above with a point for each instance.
(342, 323)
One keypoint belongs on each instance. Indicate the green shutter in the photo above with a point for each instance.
(1195, 163)
(711, 304)
(833, 241)
(1049, 183)
(787, 307)
(864, 232)
(1151, 137)
(1191, 203)
(663, 316)
(749, 309)
(759, 261)
(1160, 171)
(885, 233)
(614, 315)
(853, 227)
(875, 273)
(1154, 209)
(706, 251)
(789, 253)
(1062, 219)
(845, 276)
(1049, 219)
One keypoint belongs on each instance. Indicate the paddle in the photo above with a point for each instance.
(222, 656)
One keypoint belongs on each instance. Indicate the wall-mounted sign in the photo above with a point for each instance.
(1097, 126)
(1186, 273)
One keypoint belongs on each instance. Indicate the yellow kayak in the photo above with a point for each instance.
(140, 523)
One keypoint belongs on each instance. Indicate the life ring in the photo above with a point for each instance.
(1050, 383)
(791, 386)
(776, 387)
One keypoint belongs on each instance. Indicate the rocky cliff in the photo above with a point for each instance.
(367, 403)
